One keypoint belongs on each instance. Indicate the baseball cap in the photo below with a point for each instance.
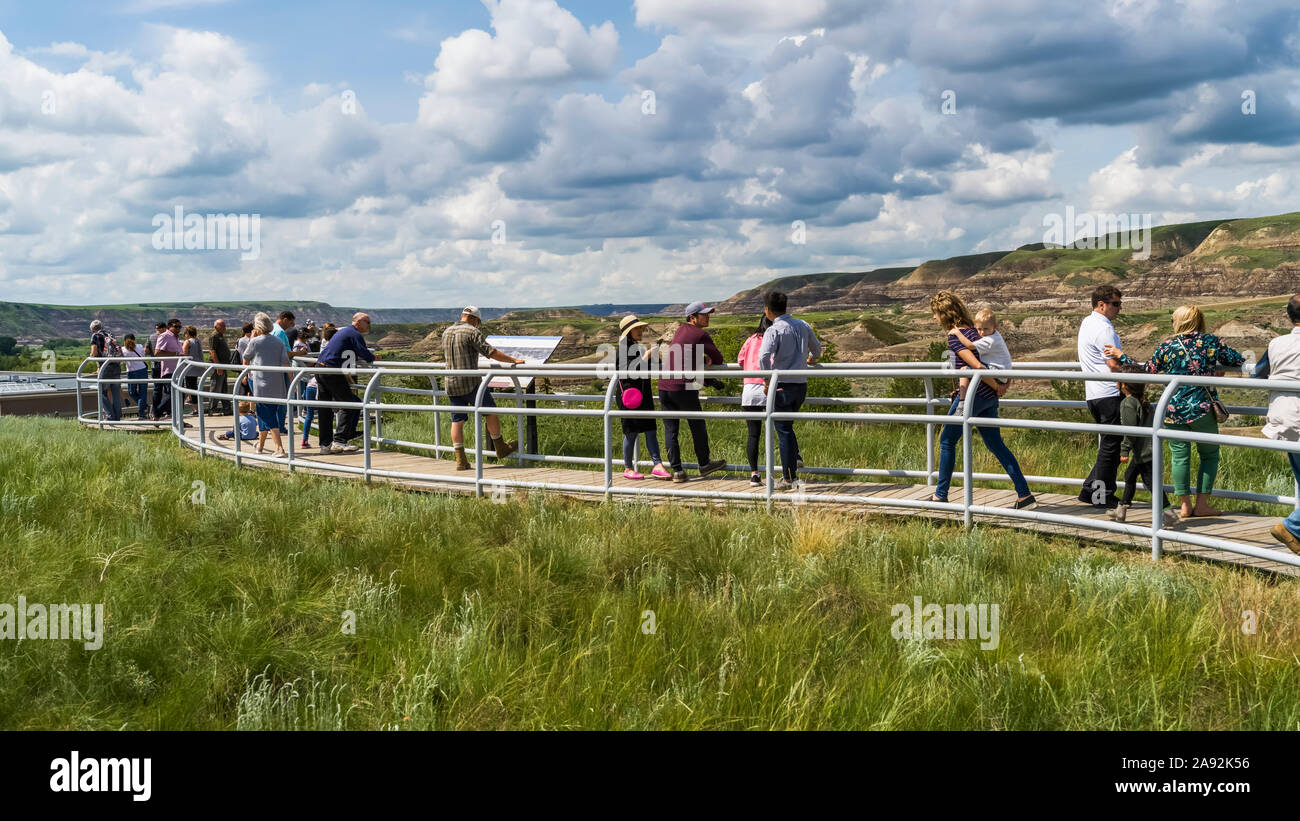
(472, 311)
(697, 308)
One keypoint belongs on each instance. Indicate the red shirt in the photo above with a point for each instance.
(682, 354)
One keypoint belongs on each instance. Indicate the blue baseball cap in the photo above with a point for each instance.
(697, 308)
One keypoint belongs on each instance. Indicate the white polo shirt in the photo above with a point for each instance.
(1095, 333)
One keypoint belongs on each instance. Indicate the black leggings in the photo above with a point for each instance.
(755, 436)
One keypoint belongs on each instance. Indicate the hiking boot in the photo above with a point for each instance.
(462, 461)
(679, 477)
(1169, 516)
(503, 448)
(1119, 514)
(755, 480)
(715, 465)
(1286, 537)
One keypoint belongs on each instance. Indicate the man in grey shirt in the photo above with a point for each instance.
(789, 344)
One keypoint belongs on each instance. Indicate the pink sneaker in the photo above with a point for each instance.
(660, 473)
(632, 474)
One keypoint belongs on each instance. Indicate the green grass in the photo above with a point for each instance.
(529, 614)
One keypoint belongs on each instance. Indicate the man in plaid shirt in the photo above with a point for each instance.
(461, 345)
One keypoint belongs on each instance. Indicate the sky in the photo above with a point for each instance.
(532, 153)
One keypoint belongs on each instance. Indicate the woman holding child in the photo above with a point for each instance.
(963, 343)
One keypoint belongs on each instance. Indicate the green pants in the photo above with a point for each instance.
(1181, 457)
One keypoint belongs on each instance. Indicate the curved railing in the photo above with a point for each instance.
(371, 407)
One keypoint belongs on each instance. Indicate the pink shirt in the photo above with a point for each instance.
(167, 345)
(748, 359)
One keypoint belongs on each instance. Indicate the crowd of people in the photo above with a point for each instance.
(778, 342)
(264, 343)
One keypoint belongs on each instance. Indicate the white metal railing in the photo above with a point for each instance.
(370, 407)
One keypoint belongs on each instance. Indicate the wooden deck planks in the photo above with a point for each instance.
(1242, 527)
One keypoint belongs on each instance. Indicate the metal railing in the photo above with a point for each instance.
(371, 407)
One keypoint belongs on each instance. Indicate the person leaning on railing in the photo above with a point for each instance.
(1283, 362)
(462, 344)
(344, 349)
(1192, 352)
(789, 344)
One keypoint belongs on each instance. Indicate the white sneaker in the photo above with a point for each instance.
(343, 447)
(326, 450)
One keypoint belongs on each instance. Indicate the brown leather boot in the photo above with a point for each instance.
(503, 447)
(462, 461)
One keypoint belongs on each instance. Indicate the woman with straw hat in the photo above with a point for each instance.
(633, 393)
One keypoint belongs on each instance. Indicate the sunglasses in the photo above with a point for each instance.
(1116, 304)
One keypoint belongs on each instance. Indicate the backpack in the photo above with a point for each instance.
(111, 348)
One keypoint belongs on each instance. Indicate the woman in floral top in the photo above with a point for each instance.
(1193, 352)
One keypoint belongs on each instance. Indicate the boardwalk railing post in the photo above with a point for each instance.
(929, 433)
(769, 435)
(609, 455)
(437, 417)
(968, 449)
(519, 422)
(478, 438)
(198, 403)
(1158, 470)
(365, 421)
(234, 405)
(290, 411)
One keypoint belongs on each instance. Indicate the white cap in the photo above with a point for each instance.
(472, 311)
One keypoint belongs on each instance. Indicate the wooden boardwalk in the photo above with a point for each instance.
(1239, 527)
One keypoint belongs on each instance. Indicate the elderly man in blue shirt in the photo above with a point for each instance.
(788, 345)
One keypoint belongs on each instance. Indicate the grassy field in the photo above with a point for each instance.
(533, 613)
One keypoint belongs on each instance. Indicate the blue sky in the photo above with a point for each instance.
(526, 122)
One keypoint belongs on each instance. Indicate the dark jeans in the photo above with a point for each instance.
(651, 446)
(789, 398)
(139, 393)
(985, 407)
(1135, 470)
(161, 391)
(1104, 412)
(684, 401)
(334, 387)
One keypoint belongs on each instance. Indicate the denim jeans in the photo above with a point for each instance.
(986, 408)
(139, 392)
(651, 446)
(789, 398)
(310, 396)
(1292, 522)
(110, 402)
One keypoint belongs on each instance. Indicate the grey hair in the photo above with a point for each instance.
(95, 325)
(262, 323)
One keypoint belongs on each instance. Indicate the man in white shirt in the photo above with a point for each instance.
(1095, 333)
(1284, 413)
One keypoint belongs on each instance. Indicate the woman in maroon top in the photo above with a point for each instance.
(950, 312)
